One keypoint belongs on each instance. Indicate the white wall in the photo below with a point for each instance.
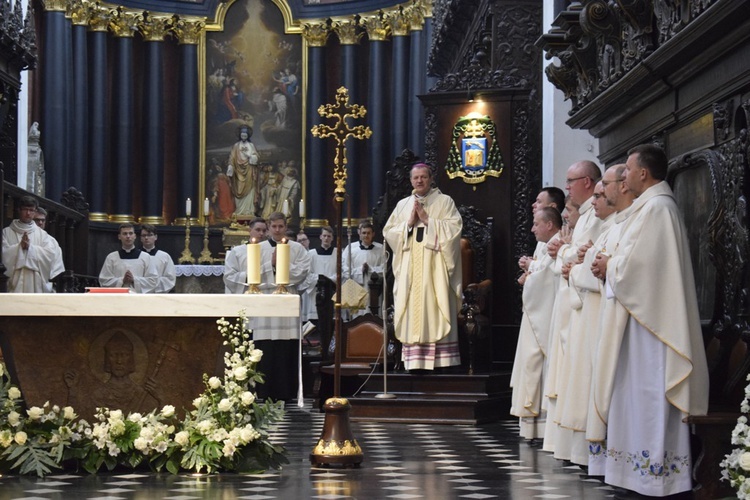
(561, 145)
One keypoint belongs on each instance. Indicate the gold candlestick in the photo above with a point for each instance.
(205, 256)
(187, 257)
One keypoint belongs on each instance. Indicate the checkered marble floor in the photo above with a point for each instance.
(401, 461)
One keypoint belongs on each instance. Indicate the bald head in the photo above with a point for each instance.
(581, 179)
(616, 191)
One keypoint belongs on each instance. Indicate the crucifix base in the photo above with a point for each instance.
(337, 445)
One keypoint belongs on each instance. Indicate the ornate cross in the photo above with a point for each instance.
(341, 131)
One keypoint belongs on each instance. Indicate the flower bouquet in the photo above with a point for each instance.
(735, 467)
(226, 430)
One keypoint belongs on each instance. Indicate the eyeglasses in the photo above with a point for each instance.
(607, 183)
(40, 220)
(568, 182)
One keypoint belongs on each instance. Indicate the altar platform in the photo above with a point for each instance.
(129, 351)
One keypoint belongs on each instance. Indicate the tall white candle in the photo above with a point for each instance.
(188, 207)
(301, 208)
(285, 207)
(253, 263)
(282, 263)
(206, 207)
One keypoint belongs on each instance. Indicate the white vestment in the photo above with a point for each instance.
(145, 278)
(165, 269)
(427, 275)
(539, 291)
(324, 264)
(650, 370)
(572, 404)
(30, 271)
(586, 229)
(352, 267)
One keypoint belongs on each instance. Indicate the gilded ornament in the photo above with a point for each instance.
(80, 12)
(347, 31)
(376, 26)
(399, 23)
(188, 31)
(316, 34)
(334, 448)
(340, 132)
(99, 18)
(415, 14)
(155, 28)
(55, 5)
(124, 24)
(475, 152)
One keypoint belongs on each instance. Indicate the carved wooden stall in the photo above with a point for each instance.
(678, 74)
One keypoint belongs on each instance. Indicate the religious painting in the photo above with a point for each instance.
(475, 151)
(253, 115)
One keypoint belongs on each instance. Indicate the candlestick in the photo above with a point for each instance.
(301, 208)
(187, 256)
(188, 207)
(282, 263)
(205, 256)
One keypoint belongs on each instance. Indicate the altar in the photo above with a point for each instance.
(128, 351)
(199, 278)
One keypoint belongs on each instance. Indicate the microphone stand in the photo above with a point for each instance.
(384, 309)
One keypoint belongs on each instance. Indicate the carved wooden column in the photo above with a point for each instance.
(99, 167)
(377, 158)
(154, 29)
(189, 33)
(316, 37)
(123, 25)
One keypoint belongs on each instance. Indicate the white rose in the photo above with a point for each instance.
(20, 438)
(135, 417)
(115, 415)
(247, 398)
(256, 355)
(14, 393)
(229, 449)
(224, 405)
(69, 413)
(13, 418)
(167, 411)
(35, 413)
(140, 444)
(214, 382)
(198, 402)
(182, 438)
(745, 461)
(240, 372)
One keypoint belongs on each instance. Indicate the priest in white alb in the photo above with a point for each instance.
(539, 290)
(424, 232)
(650, 370)
(31, 256)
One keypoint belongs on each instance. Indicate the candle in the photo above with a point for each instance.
(188, 206)
(206, 207)
(253, 263)
(285, 207)
(282, 263)
(301, 208)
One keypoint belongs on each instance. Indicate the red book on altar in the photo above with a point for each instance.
(101, 289)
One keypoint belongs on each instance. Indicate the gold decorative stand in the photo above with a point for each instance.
(337, 445)
(187, 257)
(205, 256)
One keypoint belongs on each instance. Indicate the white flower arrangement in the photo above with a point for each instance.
(736, 466)
(224, 431)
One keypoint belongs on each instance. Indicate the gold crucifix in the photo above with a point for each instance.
(341, 131)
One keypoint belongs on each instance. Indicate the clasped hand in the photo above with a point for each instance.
(418, 213)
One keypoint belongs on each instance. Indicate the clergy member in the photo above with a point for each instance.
(363, 258)
(650, 370)
(278, 338)
(424, 232)
(32, 257)
(322, 261)
(129, 267)
(549, 196)
(162, 260)
(539, 289)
